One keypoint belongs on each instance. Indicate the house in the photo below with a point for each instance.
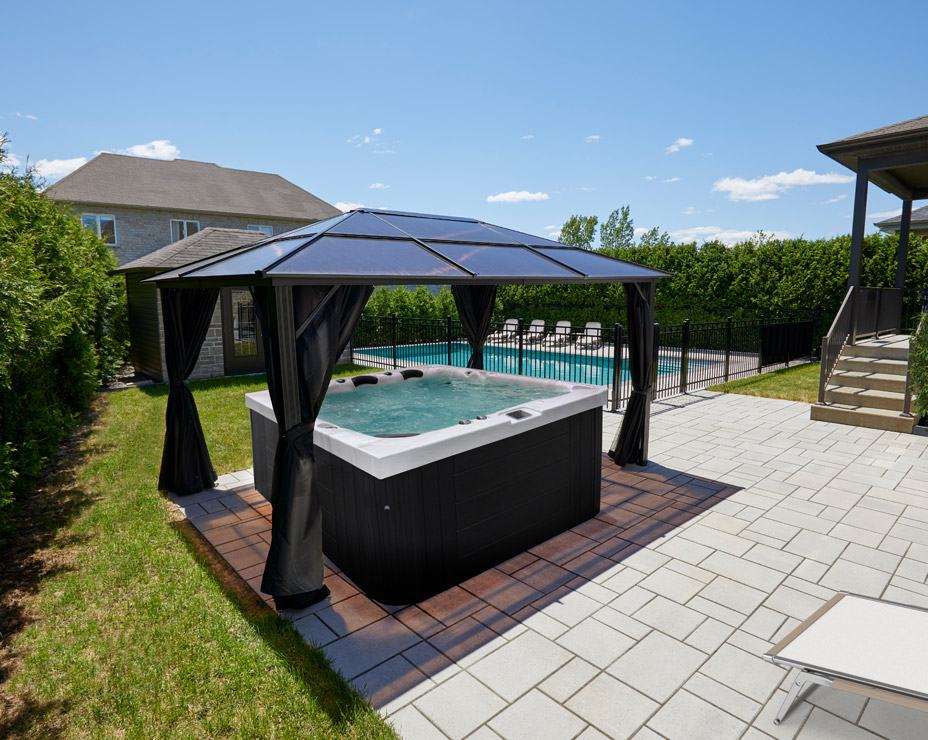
(139, 206)
(919, 224)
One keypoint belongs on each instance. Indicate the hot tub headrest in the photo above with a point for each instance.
(360, 380)
(407, 374)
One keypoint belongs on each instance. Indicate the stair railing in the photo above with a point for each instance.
(834, 341)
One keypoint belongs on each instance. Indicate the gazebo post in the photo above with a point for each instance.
(646, 432)
(903, 254)
(857, 241)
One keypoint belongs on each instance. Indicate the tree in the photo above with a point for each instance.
(579, 231)
(619, 231)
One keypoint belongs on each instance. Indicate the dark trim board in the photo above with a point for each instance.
(404, 538)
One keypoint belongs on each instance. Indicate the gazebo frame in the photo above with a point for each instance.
(310, 286)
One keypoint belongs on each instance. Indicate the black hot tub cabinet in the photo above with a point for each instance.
(406, 518)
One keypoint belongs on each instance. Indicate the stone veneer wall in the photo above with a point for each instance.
(211, 362)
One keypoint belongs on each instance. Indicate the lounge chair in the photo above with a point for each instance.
(535, 334)
(508, 332)
(592, 336)
(861, 644)
(560, 336)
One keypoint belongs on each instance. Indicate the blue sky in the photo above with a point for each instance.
(703, 117)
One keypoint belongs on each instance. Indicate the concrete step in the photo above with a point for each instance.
(860, 416)
(875, 381)
(868, 397)
(873, 365)
(893, 351)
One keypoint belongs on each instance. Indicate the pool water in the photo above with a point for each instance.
(595, 369)
(424, 404)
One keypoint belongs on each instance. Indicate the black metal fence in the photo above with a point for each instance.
(689, 356)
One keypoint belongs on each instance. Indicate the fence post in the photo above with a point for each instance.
(521, 327)
(727, 347)
(393, 315)
(812, 355)
(879, 306)
(616, 366)
(448, 333)
(655, 360)
(684, 355)
(760, 344)
(789, 337)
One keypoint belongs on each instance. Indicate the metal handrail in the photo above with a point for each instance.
(834, 341)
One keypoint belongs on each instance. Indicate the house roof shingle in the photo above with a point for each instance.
(185, 185)
(209, 242)
(919, 216)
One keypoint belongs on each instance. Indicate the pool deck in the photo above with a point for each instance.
(648, 621)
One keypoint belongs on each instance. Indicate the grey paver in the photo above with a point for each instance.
(569, 679)
(657, 666)
(723, 697)
(893, 721)
(520, 664)
(459, 705)
(743, 672)
(611, 706)
(670, 617)
(362, 650)
(822, 725)
(847, 576)
(733, 595)
(410, 723)
(687, 717)
(673, 585)
(596, 642)
(536, 717)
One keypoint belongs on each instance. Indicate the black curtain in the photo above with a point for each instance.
(293, 571)
(475, 307)
(629, 445)
(185, 464)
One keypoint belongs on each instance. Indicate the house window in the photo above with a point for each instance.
(244, 324)
(103, 226)
(269, 230)
(182, 229)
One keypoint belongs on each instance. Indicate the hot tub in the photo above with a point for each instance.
(410, 514)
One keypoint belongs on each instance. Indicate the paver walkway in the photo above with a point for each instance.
(648, 621)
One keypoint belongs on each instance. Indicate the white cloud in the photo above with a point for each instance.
(586, 189)
(551, 228)
(26, 115)
(679, 144)
(592, 139)
(360, 140)
(516, 196)
(52, 169)
(528, 136)
(650, 177)
(728, 237)
(836, 198)
(379, 186)
(885, 214)
(689, 211)
(769, 187)
(671, 179)
(157, 149)
(345, 207)
(10, 160)
(641, 231)
(383, 151)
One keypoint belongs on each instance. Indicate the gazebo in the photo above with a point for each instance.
(310, 286)
(895, 159)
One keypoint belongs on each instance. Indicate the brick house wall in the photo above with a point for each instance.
(140, 231)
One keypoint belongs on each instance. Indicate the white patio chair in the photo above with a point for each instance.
(508, 332)
(560, 336)
(592, 336)
(535, 334)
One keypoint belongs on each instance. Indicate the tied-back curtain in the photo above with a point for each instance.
(185, 464)
(475, 307)
(294, 563)
(629, 443)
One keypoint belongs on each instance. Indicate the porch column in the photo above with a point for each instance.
(903, 254)
(857, 241)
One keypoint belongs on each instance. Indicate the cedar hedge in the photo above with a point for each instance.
(62, 327)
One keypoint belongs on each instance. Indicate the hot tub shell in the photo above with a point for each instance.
(408, 517)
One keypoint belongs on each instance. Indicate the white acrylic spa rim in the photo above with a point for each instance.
(386, 456)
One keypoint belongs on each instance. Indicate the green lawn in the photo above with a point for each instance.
(798, 383)
(125, 630)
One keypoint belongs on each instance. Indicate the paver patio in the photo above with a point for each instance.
(648, 621)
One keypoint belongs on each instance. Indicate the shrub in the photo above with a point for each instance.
(62, 326)
(918, 359)
(420, 303)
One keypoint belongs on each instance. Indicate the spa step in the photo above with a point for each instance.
(875, 381)
(867, 397)
(860, 416)
(879, 365)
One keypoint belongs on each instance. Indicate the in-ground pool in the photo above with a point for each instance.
(594, 367)
(409, 514)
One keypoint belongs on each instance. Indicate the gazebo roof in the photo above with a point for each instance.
(392, 247)
(896, 156)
